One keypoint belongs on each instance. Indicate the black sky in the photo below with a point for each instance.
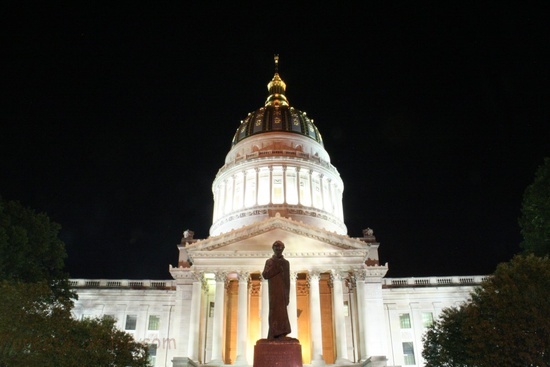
(115, 118)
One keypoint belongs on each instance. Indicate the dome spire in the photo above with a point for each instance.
(276, 88)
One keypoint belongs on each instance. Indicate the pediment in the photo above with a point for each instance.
(306, 247)
(297, 237)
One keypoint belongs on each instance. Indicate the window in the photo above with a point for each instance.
(131, 321)
(408, 353)
(154, 322)
(427, 319)
(405, 320)
(152, 349)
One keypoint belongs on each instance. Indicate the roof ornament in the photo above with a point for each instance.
(276, 88)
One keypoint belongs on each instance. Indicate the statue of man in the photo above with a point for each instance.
(277, 273)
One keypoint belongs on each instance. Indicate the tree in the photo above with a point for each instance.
(30, 249)
(535, 218)
(444, 342)
(36, 326)
(505, 323)
(35, 332)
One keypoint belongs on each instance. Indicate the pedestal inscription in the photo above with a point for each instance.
(280, 352)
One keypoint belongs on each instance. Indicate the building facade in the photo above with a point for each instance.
(277, 183)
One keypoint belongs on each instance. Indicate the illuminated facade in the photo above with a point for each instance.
(277, 183)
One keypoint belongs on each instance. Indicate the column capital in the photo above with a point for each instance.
(244, 276)
(220, 276)
(313, 275)
(337, 275)
(198, 276)
(359, 275)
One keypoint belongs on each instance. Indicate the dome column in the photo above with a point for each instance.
(245, 191)
(284, 185)
(257, 183)
(270, 185)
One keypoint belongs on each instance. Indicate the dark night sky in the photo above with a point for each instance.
(115, 119)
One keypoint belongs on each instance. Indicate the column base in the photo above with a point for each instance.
(183, 362)
(343, 362)
(375, 361)
(281, 352)
(240, 361)
(214, 363)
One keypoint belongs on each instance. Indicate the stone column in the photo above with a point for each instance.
(360, 288)
(353, 307)
(373, 309)
(315, 319)
(293, 306)
(194, 318)
(217, 322)
(179, 325)
(339, 319)
(242, 319)
(265, 307)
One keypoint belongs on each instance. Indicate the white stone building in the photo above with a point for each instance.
(277, 183)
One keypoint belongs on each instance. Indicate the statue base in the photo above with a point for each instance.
(280, 352)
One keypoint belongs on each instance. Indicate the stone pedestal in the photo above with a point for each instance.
(281, 352)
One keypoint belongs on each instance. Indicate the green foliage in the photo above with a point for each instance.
(36, 326)
(30, 249)
(444, 341)
(506, 322)
(35, 332)
(535, 218)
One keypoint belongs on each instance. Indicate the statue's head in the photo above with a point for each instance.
(278, 247)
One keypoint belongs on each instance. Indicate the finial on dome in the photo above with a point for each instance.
(276, 88)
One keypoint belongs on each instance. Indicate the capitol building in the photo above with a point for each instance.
(276, 183)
